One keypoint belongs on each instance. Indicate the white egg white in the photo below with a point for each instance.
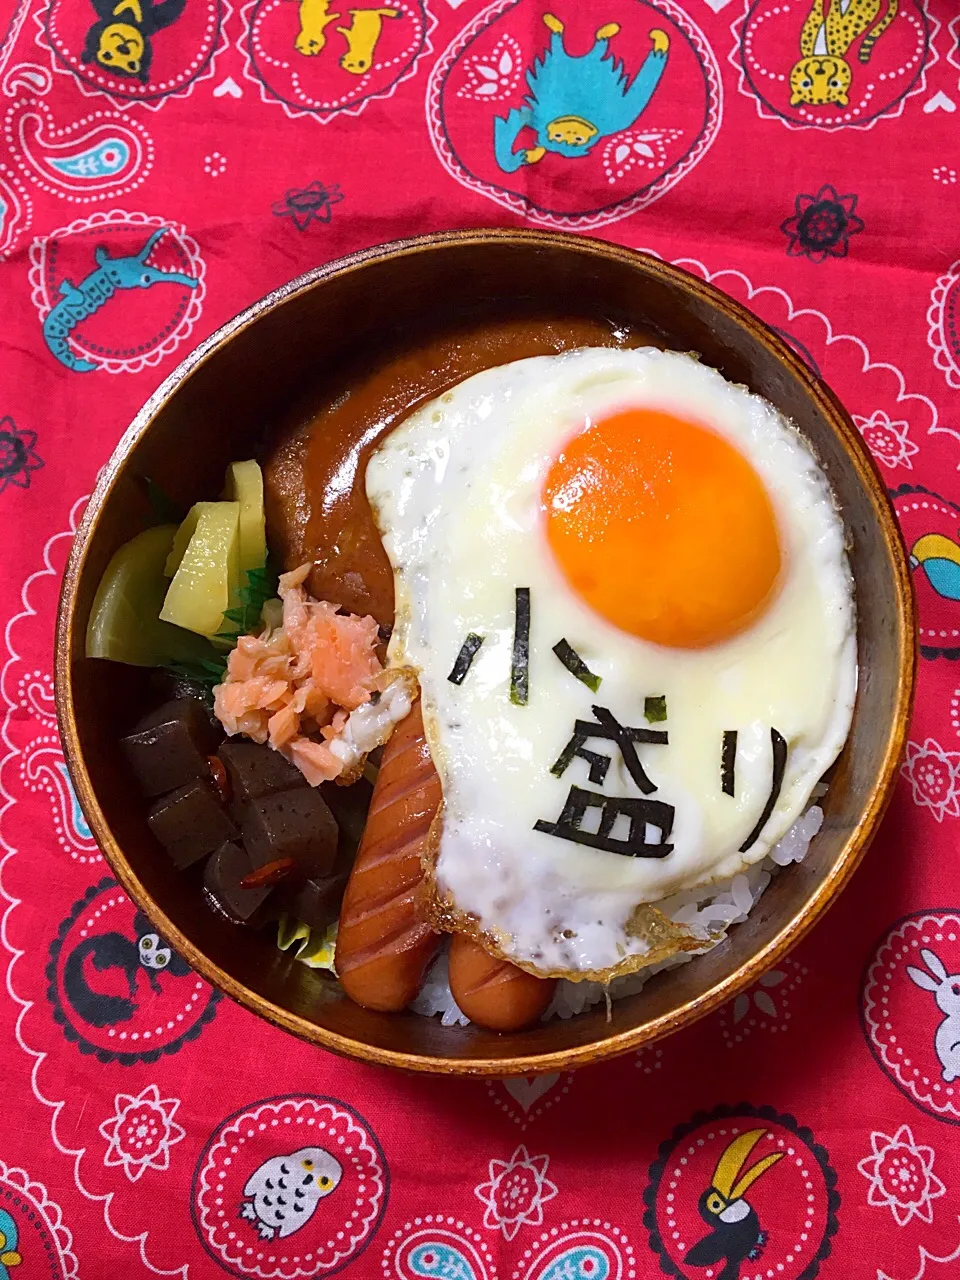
(456, 490)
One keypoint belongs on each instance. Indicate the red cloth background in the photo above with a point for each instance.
(838, 225)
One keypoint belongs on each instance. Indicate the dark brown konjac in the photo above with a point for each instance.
(316, 503)
(268, 842)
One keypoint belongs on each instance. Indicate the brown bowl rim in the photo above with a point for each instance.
(635, 1037)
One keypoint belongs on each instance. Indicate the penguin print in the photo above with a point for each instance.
(282, 1195)
(736, 1233)
(120, 39)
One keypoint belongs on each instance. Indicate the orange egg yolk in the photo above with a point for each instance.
(662, 528)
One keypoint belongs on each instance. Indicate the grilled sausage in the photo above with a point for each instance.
(494, 993)
(384, 944)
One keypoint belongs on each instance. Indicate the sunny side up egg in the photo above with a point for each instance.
(623, 583)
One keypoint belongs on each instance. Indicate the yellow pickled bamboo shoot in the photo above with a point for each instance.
(207, 580)
(244, 484)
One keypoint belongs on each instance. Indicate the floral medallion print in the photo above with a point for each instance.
(516, 1192)
(313, 203)
(141, 1132)
(18, 456)
(822, 225)
(889, 442)
(901, 1177)
(934, 777)
(496, 75)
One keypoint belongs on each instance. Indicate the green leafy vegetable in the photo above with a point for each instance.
(259, 587)
(207, 672)
(164, 508)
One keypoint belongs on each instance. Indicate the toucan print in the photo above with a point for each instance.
(939, 558)
(736, 1233)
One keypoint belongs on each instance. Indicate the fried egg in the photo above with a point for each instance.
(623, 583)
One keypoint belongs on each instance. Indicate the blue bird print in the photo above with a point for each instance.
(573, 102)
(9, 1238)
(939, 558)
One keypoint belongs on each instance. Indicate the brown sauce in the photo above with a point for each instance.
(316, 501)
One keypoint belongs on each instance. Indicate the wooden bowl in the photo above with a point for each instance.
(214, 408)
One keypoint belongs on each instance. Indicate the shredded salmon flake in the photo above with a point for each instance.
(315, 761)
(300, 679)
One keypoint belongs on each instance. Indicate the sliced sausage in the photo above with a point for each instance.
(384, 943)
(494, 993)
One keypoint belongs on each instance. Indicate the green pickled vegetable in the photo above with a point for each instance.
(125, 623)
(207, 580)
(259, 589)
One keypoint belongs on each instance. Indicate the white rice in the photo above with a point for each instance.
(708, 912)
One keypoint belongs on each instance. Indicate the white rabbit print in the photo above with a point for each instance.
(946, 991)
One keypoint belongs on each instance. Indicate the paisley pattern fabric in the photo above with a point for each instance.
(164, 163)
